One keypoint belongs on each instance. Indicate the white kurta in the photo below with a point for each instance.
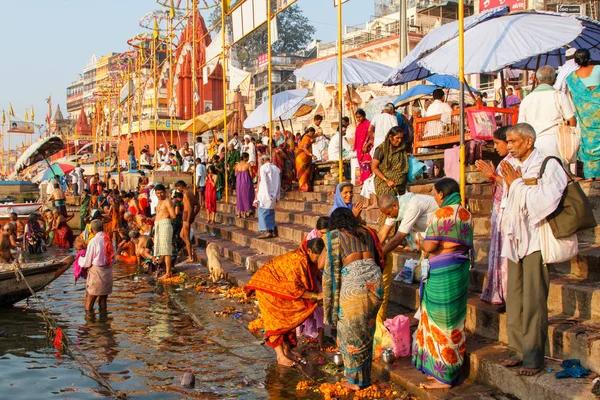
(269, 186)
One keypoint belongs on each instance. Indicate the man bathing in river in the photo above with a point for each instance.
(99, 259)
(191, 208)
(163, 230)
(58, 197)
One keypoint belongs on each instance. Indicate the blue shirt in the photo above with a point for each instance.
(201, 175)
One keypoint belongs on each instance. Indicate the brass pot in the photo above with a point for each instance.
(387, 356)
(338, 359)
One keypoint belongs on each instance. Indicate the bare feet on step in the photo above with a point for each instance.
(529, 371)
(351, 386)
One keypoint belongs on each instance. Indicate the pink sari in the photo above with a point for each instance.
(364, 159)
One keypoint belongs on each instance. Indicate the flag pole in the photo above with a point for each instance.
(340, 88)
(461, 77)
(155, 82)
(170, 32)
(139, 86)
(224, 11)
(194, 80)
(269, 78)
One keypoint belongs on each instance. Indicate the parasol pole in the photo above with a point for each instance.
(2, 163)
(340, 88)
(461, 77)
(269, 78)
(224, 12)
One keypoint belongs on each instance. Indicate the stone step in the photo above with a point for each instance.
(568, 337)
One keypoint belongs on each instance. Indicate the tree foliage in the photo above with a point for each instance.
(294, 30)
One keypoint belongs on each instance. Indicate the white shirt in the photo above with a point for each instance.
(237, 145)
(268, 188)
(539, 201)
(265, 140)
(542, 110)
(438, 107)
(50, 186)
(383, 123)
(563, 72)
(144, 159)
(153, 201)
(249, 148)
(200, 151)
(419, 212)
(334, 148)
(95, 254)
(319, 146)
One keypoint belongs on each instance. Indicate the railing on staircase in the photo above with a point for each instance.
(438, 130)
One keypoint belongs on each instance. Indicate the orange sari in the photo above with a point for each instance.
(279, 285)
(304, 164)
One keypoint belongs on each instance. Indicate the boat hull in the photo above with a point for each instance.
(38, 275)
(20, 209)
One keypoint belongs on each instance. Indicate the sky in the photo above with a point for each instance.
(47, 43)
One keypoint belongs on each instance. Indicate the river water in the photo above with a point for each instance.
(142, 347)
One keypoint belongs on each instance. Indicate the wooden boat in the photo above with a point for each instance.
(38, 275)
(20, 208)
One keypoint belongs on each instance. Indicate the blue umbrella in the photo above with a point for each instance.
(354, 71)
(282, 103)
(446, 82)
(409, 70)
(415, 93)
(588, 39)
(496, 43)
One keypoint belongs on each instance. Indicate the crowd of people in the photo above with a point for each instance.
(340, 275)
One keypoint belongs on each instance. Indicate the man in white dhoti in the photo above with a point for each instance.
(267, 195)
(528, 199)
(99, 258)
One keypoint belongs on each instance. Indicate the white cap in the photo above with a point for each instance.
(150, 184)
(570, 52)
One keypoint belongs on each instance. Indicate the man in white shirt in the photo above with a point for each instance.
(412, 211)
(200, 180)
(566, 69)
(381, 125)
(267, 195)
(544, 109)
(264, 136)
(334, 147)
(525, 207)
(438, 107)
(250, 149)
(98, 260)
(200, 150)
(235, 142)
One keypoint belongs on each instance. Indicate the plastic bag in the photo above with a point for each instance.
(408, 271)
(399, 328)
(415, 169)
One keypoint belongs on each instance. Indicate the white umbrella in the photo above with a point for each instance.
(282, 103)
(354, 71)
(39, 151)
(499, 42)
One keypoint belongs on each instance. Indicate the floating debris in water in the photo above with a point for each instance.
(188, 381)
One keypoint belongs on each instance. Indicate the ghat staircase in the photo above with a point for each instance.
(573, 301)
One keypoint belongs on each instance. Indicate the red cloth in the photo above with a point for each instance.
(63, 236)
(364, 159)
(210, 196)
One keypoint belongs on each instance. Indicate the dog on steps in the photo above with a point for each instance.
(214, 263)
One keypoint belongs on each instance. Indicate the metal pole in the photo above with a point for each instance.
(155, 80)
(140, 97)
(340, 89)
(461, 77)
(403, 35)
(224, 11)
(269, 79)
(170, 96)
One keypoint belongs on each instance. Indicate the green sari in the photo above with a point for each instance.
(439, 347)
(233, 157)
(587, 110)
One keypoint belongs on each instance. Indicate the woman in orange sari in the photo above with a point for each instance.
(304, 158)
(287, 295)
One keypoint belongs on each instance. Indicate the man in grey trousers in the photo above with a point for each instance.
(527, 202)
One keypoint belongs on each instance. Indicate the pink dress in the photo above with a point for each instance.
(364, 159)
(495, 288)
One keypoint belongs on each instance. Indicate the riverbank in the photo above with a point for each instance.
(406, 379)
